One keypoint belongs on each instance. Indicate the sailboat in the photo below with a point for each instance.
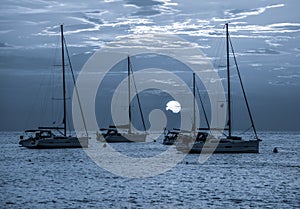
(111, 134)
(55, 137)
(204, 142)
(170, 136)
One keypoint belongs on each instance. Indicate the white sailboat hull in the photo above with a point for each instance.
(55, 142)
(169, 141)
(124, 138)
(222, 146)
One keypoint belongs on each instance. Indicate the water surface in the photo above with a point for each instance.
(68, 178)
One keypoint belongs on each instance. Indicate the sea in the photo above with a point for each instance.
(69, 178)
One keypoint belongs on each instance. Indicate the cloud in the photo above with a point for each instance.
(256, 65)
(2, 45)
(237, 14)
(165, 81)
(289, 76)
(151, 7)
(262, 51)
(284, 83)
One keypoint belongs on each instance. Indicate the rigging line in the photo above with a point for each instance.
(217, 46)
(222, 132)
(219, 49)
(52, 81)
(246, 130)
(56, 112)
(76, 90)
(243, 90)
(138, 98)
(202, 106)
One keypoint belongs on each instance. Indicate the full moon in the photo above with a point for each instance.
(174, 106)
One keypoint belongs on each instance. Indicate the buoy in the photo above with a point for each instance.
(275, 150)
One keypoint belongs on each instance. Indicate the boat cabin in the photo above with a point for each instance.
(111, 131)
(37, 134)
(171, 134)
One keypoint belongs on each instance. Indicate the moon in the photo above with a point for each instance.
(174, 106)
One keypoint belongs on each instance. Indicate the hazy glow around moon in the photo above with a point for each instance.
(174, 106)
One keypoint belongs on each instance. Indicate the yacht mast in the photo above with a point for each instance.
(194, 105)
(64, 82)
(228, 81)
(129, 99)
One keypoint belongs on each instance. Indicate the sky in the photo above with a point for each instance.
(265, 35)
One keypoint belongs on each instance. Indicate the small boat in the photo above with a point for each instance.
(201, 141)
(55, 137)
(170, 136)
(113, 134)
